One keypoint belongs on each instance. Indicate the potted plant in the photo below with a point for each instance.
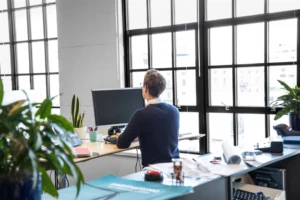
(291, 105)
(29, 146)
(77, 117)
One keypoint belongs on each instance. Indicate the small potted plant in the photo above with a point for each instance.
(291, 105)
(30, 144)
(77, 117)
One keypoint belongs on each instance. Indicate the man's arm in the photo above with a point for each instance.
(131, 132)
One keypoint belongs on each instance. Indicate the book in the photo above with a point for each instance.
(82, 152)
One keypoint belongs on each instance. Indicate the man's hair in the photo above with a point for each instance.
(155, 82)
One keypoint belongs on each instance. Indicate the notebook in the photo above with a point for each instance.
(82, 152)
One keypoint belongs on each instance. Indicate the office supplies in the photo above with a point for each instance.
(201, 166)
(274, 145)
(116, 106)
(231, 153)
(82, 152)
(112, 187)
(291, 139)
(154, 175)
(245, 195)
(72, 138)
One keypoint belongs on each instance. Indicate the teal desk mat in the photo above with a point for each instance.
(114, 188)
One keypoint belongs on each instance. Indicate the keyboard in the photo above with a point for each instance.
(291, 139)
(245, 195)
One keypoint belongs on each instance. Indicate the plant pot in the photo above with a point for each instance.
(294, 121)
(19, 190)
(81, 132)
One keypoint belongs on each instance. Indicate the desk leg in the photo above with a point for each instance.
(60, 181)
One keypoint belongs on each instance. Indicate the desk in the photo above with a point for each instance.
(289, 160)
(106, 149)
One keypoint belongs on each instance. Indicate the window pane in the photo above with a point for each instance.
(19, 3)
(50, 1)
(249, 7)
(22, 58)
(221, 87)
(250, 43)
(221, 46)
(220, 133)
(218, 9)
(160, 12)
(35, 2)
(21, 25)
(288, 74)
(54, 89)
(185, 49)
(137, 79)
(185, 11)
(4, 31)
(40, 87)
(55, 111)
(186, 87)
(53, 55)
(38, 57)
(283, 5)
(161, 50)
(137, 14)
(36, 15)
(167, 95)
(189, 122)
(3, 5)
(52, 21)
(283, 40)
(24, 82)
(250, 86)
(7, 83)
(5, 65)
(251, 129)
(139, 52)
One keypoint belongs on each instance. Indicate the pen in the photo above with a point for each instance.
(200, 166)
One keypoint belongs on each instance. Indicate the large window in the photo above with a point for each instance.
(28, 47)
(163, 34)
(221, 59)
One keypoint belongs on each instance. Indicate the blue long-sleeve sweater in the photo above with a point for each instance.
(157, 126)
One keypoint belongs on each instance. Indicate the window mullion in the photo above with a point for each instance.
(29, 45)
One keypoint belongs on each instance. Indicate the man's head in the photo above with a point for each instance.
(154, 84)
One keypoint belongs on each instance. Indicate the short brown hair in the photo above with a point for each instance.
(155, 82)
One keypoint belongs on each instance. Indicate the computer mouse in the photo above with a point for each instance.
(154, 175)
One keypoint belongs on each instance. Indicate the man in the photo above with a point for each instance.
(156, 125)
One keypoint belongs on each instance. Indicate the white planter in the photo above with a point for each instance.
(81, 132)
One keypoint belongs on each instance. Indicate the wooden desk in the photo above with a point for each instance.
(107, 149)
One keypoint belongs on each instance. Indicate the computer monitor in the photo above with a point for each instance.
(114, 107)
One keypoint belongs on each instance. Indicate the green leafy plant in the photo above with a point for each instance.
(77, 117)
(290, 101)
(24, 136)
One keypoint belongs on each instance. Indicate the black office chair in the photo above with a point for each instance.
(285, 130)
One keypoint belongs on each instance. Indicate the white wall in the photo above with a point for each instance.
(89, 37)
(89, 49)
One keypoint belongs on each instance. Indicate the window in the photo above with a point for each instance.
(223, 65)
(163, 34)
(28, 43)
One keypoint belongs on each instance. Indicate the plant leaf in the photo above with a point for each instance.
(73, 110)
(45, 109)
(61, 121)
(1, 91)
(34, 165)
(288, 88)
(283, 111)
(47, 184)
(77, 110)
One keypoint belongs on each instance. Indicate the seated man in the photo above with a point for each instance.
(156, 125)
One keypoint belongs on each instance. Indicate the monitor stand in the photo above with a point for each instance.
(112, 130)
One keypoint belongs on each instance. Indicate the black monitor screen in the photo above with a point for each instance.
(116, 106)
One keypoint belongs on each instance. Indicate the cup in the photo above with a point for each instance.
(93, 136)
